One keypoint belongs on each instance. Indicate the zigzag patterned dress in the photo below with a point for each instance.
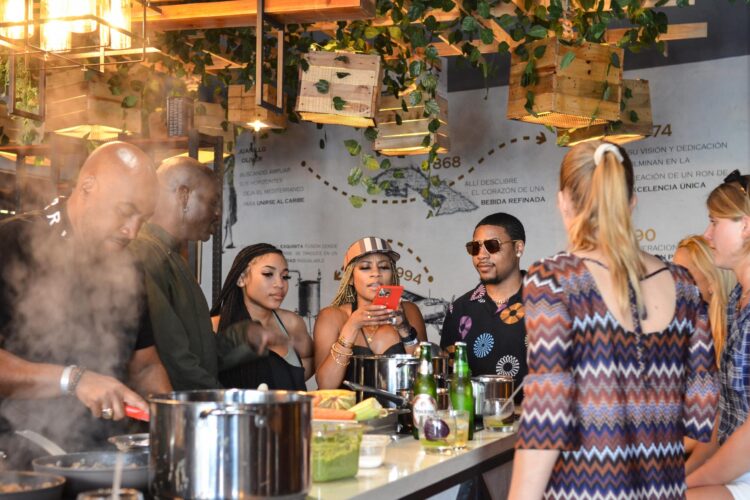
(616, 403)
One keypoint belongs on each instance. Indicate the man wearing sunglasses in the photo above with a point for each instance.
(489, 318)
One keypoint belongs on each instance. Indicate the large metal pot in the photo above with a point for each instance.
(217, 444)
(391, 373)
(490, 386)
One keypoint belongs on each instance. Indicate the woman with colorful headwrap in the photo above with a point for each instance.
(352, 324)
(254, 288)
(621, 363)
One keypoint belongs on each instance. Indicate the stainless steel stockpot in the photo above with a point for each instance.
(392, 373)
(490, 386)
(219, 444)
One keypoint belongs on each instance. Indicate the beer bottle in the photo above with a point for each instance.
(461, 394)
(425, 389)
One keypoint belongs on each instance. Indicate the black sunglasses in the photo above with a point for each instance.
(740, 179)
(492, 245)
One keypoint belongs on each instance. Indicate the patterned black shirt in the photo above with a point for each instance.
(495, 336)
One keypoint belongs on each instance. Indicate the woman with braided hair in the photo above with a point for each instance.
(255, 287)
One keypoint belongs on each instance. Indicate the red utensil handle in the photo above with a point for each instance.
(136, 413)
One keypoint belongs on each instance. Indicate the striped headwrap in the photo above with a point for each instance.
(370, 244)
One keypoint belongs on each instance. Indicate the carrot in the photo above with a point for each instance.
(331, 414)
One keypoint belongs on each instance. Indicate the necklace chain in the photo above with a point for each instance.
(372, 330)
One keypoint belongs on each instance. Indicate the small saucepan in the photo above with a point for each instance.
(95, 469)
(30, 486)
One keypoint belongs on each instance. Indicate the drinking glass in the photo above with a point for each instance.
(497, 414)
(437, 433)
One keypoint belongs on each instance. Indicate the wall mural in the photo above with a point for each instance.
(291, 189)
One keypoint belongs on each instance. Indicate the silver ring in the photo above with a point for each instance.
(393, 320)
(107, 413)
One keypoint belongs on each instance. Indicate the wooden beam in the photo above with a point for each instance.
(237, 13)
(650, 4)
(674, 32)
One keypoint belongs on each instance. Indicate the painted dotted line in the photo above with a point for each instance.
(540, 139)
(346, 195)
(402, 246)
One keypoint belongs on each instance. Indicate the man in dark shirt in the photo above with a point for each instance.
(70, 295)
(489, 318)
(189, 209)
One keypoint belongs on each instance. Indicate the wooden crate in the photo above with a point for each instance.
(80, 107)
(406, 139)
(356, 79)
(568, 97)
(243, 111)
(625, 129)
(13, 128)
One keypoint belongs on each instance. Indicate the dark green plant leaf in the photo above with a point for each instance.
(539, 51)
(563, 140)
(342, 58)
(415, 68)
(385, 164)
(426, 142)
(398, 174)
(404, 108)
(429, 81)
(607, 92)
(628, 93)
(353, 147)
(425, 165)
(371, 133)
(399, 120)
(435, 181)
(356, 201)
(469, 24)
(338, 103)
(614, 60)
(503, 48)
(129, 101)
(395, 32)
(537, 31)
(483, 9)
(355, 176)
(633, 116)
(431, 54)
(322, 86)
(485, 34)
(434, 125)
(415, 98)
(567, 59)
(384, 185)
(341, 74)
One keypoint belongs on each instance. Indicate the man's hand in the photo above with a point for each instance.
(100, 392)
(261, 338)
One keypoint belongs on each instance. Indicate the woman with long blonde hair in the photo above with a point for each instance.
(620, 355)
(715, 284)
(353, 325)
(722, 469)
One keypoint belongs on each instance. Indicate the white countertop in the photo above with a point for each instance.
(408, 469)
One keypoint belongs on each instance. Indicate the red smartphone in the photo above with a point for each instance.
(388, 296)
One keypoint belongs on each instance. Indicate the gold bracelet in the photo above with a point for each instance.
(345, 343)
(336, 349)
(333, 355)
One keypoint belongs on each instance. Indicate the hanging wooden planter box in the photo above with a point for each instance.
(635, 123)
(242, 109)
(408, 137)
(81, 107)
(13, 129)
(568, 97)
(353, 78)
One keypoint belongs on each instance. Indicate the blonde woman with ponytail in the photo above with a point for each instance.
(722, 469)
(621, 365)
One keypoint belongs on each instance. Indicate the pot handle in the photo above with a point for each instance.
(231, 411)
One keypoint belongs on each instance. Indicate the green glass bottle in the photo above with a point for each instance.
(461, 393)
(425, 389)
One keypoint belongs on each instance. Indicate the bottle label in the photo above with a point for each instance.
(422, 406)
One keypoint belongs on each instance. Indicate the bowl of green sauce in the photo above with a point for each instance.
(335, 450)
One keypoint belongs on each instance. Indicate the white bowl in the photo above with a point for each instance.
(372, 450)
